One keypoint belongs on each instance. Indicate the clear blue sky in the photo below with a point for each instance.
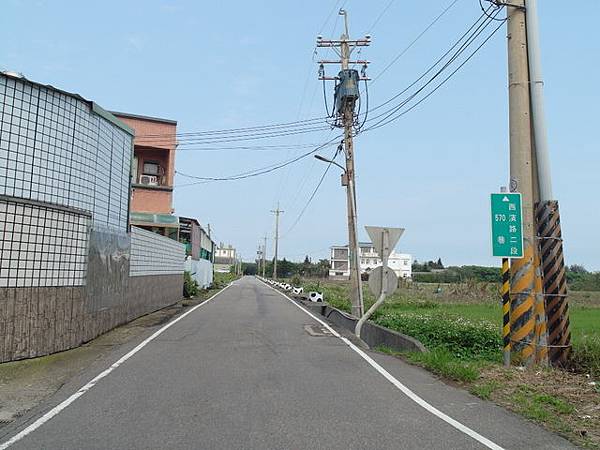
(213, 65)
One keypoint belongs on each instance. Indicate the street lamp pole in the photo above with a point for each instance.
(353, 246)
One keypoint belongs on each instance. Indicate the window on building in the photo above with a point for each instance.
(340, 253)
(152, 174)
(151, 168)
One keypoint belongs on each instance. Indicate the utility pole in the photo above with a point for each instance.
(258, 259)
(212, 255)
(527, 318)
(346, 95)
(276, 212)
(547, 211)
(264, 256)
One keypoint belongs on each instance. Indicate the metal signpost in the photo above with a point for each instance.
(383, 281)
(507, 225)
(507, 242)
(377, 277)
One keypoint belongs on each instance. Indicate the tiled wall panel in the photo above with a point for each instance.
(153, 254)
(42, 246)
(55, 149)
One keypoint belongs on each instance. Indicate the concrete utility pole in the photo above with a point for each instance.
(258, 259)
(212, 254)
(264, 256)
(547, 211)
(276, 212)
(527, 320)
(347, 93)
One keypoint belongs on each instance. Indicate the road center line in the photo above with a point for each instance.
(65, 403)
(405, 390)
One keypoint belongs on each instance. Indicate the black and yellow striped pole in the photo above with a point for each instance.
(506, 312)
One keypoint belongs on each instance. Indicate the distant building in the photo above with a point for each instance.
(198, 243)
(153, 172)
(225, 258)
(400, 263)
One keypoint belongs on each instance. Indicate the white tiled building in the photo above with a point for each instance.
(400, 263)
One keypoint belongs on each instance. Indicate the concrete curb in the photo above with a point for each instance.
(372, 334)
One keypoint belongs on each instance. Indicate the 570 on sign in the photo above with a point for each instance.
(507, 225)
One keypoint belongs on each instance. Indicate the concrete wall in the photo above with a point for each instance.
(151, 200)
(37, 321)
(64, 246)
(40, 321)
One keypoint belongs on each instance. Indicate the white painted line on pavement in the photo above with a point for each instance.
(405, 390)
(64, 404)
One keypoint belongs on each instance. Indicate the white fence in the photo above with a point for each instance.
(153, 254)
(200, 270)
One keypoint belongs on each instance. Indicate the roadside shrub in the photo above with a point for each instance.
(585, 357)
(190, 286)
(296, 280)
(464, 339)
(220, 280)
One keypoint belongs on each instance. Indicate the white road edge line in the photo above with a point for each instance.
(65, 403)
(405, 390)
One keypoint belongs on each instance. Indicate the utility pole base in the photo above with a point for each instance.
(555, 282)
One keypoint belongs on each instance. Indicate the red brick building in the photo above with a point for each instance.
(153, 174)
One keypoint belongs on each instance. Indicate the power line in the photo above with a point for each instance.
(479, 29)
(239, 137)
(258, 171)
(380, 16)
(415, 40)
(435, 64)
(312, 196)
(242, 129)
(246, 147)
(285, 175)
(470, 39)
(385, 122)
(277, 129)
(493, 4)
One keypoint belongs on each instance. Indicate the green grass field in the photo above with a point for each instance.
(475, 304)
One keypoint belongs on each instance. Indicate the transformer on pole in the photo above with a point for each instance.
(347, 93)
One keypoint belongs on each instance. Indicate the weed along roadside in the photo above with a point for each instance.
(48, 373)
(462, 336)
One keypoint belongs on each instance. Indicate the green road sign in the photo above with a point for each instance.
(507, 225)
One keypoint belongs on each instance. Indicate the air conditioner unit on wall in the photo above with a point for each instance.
(150, 180)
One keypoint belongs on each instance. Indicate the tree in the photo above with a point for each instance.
(577, 268)
(285, 268)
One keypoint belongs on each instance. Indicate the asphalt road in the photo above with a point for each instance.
(250, 370)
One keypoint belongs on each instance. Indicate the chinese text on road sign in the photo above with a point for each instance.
(507, 225)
